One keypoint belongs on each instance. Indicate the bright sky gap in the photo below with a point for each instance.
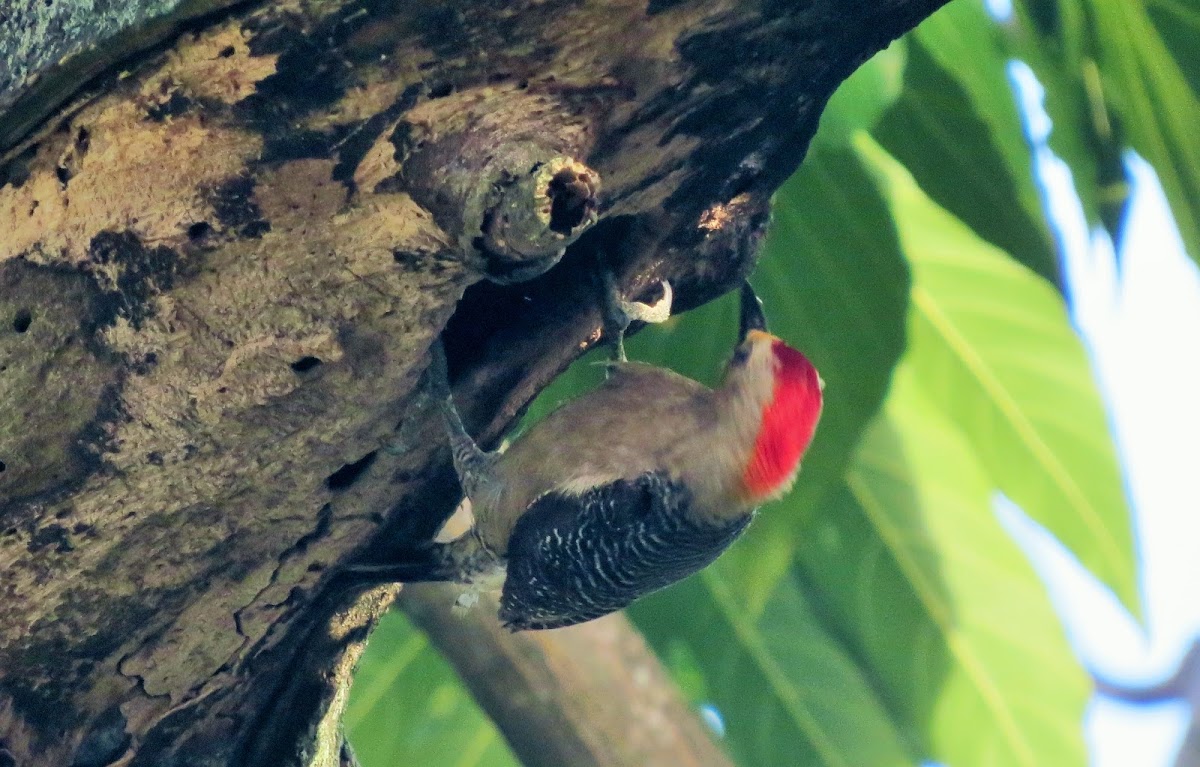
(1135, 325)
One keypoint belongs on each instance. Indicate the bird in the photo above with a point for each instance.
(628, 488)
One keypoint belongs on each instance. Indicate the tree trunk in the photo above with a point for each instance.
(220, 274)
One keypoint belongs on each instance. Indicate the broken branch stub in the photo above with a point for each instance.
(499, 167)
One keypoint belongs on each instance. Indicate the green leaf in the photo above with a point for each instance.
(994, 345)
(407, 706)
(958, 131)
(1178, 23)
(916, 574)
(1113, 81)
(1055, 38)
(1155, 105)
(861, 100)
(787, 693)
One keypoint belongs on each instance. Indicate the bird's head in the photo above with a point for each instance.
(783, 394)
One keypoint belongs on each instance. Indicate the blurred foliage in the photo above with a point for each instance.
(408, 707)
(879, 615)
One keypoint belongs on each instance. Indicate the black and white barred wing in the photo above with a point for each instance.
(572, 558)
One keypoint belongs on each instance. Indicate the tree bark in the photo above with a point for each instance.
(220, 273)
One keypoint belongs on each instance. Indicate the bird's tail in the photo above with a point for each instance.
(415, 565)
(457, 560)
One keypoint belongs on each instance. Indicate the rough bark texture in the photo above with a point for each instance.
(219, 278)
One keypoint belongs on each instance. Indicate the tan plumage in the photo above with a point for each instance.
(642, 419)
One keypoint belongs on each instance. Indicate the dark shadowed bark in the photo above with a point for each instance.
(220, 272)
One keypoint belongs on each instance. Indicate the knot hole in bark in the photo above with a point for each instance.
(572, 199)
(22, 320)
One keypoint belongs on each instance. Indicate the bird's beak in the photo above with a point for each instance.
(752, 313)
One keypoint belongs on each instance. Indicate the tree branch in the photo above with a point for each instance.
(591, 695)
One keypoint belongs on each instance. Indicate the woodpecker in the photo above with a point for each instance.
(629, 488)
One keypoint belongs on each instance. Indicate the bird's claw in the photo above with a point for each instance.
(619, 313)
(659, 311)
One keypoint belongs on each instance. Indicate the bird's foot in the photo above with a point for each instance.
(620, 313)
(472, 464)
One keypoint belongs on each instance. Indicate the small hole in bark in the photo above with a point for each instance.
(83, 139)
(407, 259)
(226, 52)
(570, 200)
(349, 474)
(2, 466)
(522, 84)
(22, 321)
(305, 364)
(199, 230)
(62, 174)
(440, 90)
